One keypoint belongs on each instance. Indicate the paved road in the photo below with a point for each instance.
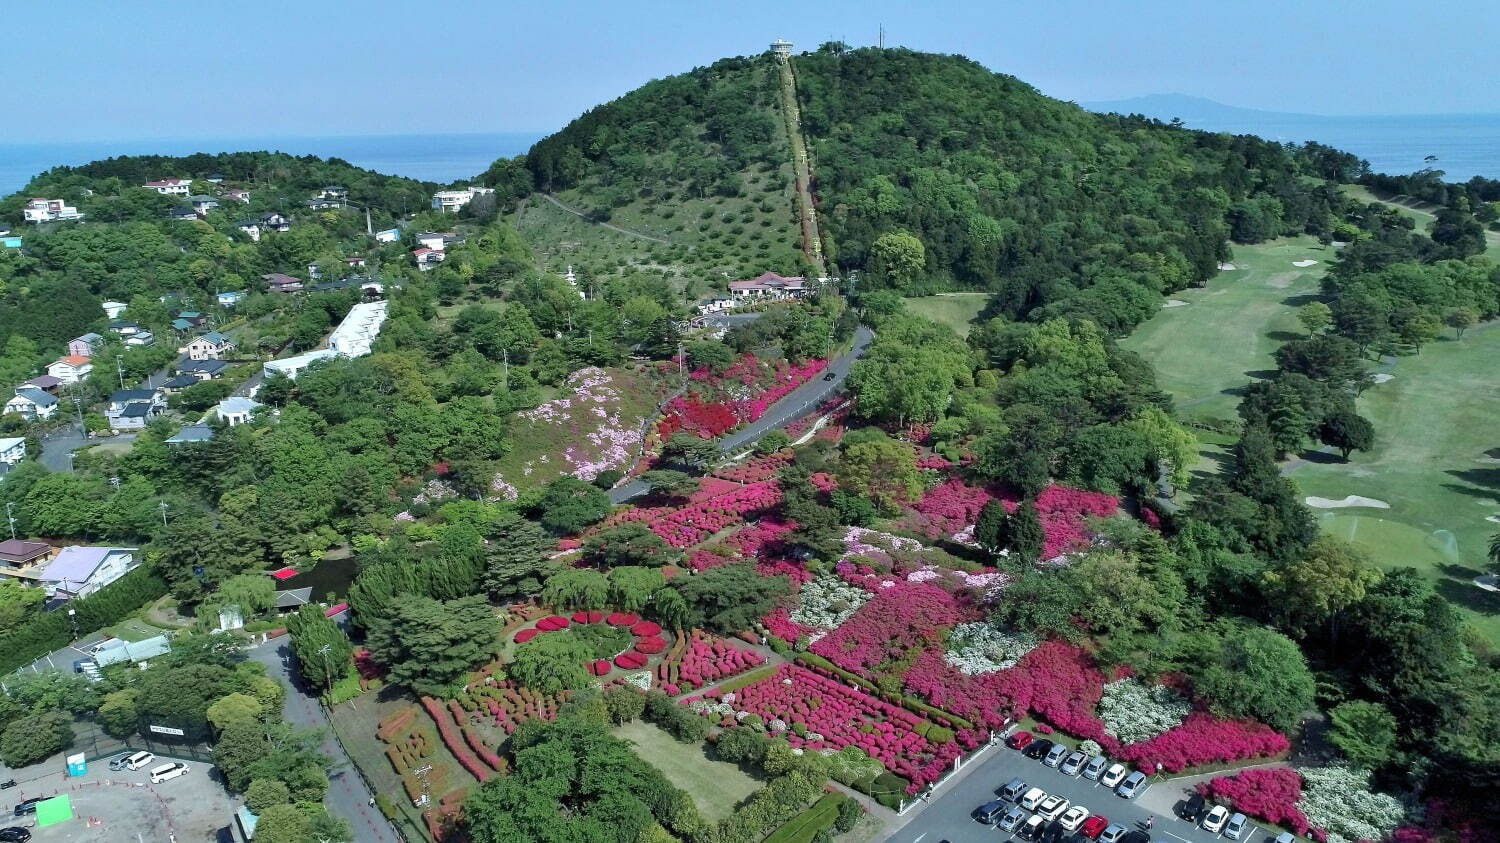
(791, 407)
(948, 815)
(56, 449)
(347, 795)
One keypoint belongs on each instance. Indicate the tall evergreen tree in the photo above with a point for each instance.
(1026, 534)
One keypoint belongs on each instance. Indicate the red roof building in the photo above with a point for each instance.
(769, 284)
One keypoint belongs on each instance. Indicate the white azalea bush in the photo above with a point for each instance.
(1133, 712)
(976, 648)
(1338, 800)
(826, 602)
(1091, 748)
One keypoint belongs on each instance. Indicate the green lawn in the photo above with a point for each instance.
(1206, 350)
(1423, 218)
(1435, 463)
(956, 310)
(716, 787)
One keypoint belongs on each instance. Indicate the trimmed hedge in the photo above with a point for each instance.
(806, 825)
(54, 630)
(887, 788)
(916, 706)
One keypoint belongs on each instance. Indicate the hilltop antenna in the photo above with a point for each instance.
(882, 36)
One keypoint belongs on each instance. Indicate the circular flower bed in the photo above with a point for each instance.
(620, 639)
(623, 619)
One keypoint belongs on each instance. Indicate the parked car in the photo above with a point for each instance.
(1286, 837)
(1134, 785)
(118, 762)
(1191, 808)
(28, 806)
(139, 761)
(1073, 764)
(1020, 740)
(1136, 836)
(167, 772)
(1095, 767)
(14, 834)
(1114, 775)
(1032, 828)
(1033, 798)
(1038, 748)
(1012, 790)
(1052, 807)
(1214, 820)
(1235, 828)
(1055, 755)
(1094, 826)
(1073, 817)
(1012, 819)
(830, 376)
(1053, 833)
(989, 811)
(1112, 833)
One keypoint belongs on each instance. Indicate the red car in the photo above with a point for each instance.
(1093, 826)
(1020, 740)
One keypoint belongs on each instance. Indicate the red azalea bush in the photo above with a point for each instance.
(796, 573)
(645, 629)
(844, 716)
(623, 619)
(897, 620)
(755, 470)
(687, 413)
(688, 525)
(526, 635)
(1204, 739)
(454, 741)
(702, 560)
(703, 660)
(1269, 794)
(1063, 511)
(753, 539)
(947, 509)
(779, 623)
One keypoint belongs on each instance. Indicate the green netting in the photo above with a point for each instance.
(53, 811)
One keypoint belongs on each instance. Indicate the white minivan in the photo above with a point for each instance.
(139, 761)
(167, 772)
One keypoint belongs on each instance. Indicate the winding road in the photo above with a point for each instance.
(790, 408)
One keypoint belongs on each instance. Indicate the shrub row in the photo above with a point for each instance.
(941, 718)
(806, 825)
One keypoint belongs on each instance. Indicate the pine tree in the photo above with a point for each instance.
(1026, 534)
(323, 650)
(993, 530)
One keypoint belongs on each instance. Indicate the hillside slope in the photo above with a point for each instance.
(1049, 207)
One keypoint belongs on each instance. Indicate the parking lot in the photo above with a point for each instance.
(124, 805)
(948, 816)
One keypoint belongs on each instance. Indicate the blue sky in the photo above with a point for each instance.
(106, 69)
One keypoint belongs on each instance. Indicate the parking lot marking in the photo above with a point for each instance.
(1170, 834)
(919, 837)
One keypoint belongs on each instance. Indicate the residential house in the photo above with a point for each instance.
(355, 262)
(368, 287)
(184, 213)
(321, 204)
(12, 450)
(203, 204)
(210, 346)
(134, 416)
(451, 201)
(293, 366)
(122, 398)
(182, 325)
(140, 339)
(275, 222)
(32, 404)
(71, 368)
(80, 571)
(251, 229)
(45, 383)
(23, 560)
(171, 187)
(204, 370)
(438, 242)
(237, 194)
(50, 210)
(769, 284)
(236, 410)
(277, 282)
(333, 191)
(113, 309)
(132, 652)
(174, 385)
(355, 335)
(388, 235)
(191, 435)
(428, 258)
(230, 298)
(86, 345)
(123, 328)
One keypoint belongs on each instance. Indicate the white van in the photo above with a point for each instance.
(167, 772)
(139, 760)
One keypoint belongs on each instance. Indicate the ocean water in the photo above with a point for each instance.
(438, 158)
(1466, 145)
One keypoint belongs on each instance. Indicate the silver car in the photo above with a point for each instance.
(1095, 767)
(1055, 755)
(1134, 785)
(1073, 764)
(1012, 820)
(1235, 828)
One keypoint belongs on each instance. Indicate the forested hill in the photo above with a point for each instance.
(1056, 210)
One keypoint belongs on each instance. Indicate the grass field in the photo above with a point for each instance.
(956, 310)
(1420, 215)
(1206, 350)
(716, 787)
(1435, 462)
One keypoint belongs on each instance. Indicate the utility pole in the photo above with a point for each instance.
(78, 407)
(10, 515)
(505, 378)
(120, 368)
(163, 506)
(327, 670)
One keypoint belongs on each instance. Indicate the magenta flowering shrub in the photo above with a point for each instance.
(704, 660)
(947, 509)
(1271, 795)
(705, 421)
(897, 620)
(754, 539)
(779, 623)
(1205, 739)
(1063, 511)
(843, 716)
(755, 470)
(684, 526)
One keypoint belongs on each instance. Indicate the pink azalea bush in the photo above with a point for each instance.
(1204, 739)
(1271, 795)
(897, 620)
(947, 509)
(706, 660)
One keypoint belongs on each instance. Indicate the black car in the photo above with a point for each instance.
(29, 806)
(1012, 790)
(1038, 749)
(1191, 808)
(1054, 833)
(14, 834)
(989, 811)
(1136, 836)
(830, 376)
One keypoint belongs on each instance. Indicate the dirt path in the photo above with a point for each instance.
(812, 243)
(615, 228)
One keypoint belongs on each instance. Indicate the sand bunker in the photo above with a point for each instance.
(1227, 267)
(1350, 500)
(1304, 263)
(1382, 377)
(1174, 303)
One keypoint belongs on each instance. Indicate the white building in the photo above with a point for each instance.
(50, 210)
(71, 368)
(12, 450)
(451, 201)
(171, 187)
(236, 410)
(32, 404)
(113, 309)
(389, 235)
(210, 346)
(293, 366)
(81, 571)
(354, 336)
